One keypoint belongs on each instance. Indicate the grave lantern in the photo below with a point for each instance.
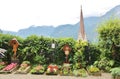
(14, 43)
(67, 50)
(53, 46)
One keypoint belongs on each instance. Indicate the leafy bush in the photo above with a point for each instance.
(104, 64)
(93, 69)
(39, 69)
(115, 72)
(80, 72)
(66, 69)
(109, 39)
(92, 53)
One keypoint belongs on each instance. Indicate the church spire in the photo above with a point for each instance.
(81, 35)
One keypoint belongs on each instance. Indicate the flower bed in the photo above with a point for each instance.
(80, 72)
(52, 70)
(92, 70)
(24, 68)
(39, 69)
(9, 68)
(66, 70)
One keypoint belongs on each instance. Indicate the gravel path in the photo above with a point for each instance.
(29, 76)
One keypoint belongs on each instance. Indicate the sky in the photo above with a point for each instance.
(19, 14)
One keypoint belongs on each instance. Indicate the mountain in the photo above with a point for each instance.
(33, 30)
(69, 30)
(37, 30)
(113, 12)
(0, 31)
(65, 31)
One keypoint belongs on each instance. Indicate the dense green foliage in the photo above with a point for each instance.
(104, 64)
(86, 54)
(79, 54)
(109, 40)
(115, 72)
(38, 50)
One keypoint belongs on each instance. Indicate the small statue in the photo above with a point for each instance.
(14, 43)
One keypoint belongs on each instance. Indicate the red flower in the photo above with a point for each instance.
(52, 68)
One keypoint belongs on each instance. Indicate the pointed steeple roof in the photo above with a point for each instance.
(82, 35)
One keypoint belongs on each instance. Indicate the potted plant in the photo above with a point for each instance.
(52, 69)
(92, 70)
(24, 67)
(115, 72)
(39, 69)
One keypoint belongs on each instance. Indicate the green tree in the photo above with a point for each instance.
(109, 39)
